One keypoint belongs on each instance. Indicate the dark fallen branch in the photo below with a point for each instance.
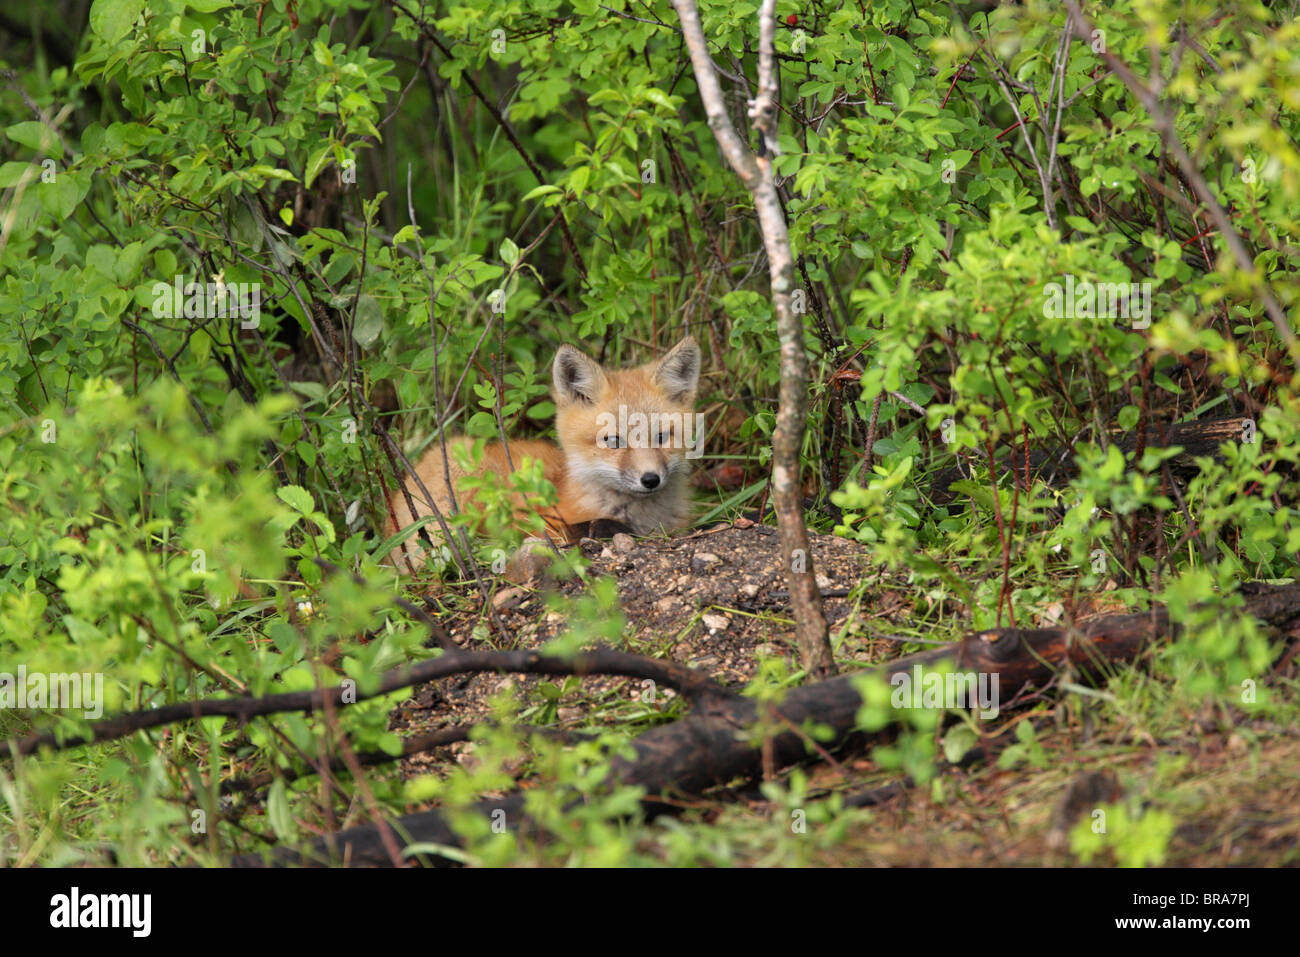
(720, 742)
(1055, 467)
(691, 684)
(416, 744)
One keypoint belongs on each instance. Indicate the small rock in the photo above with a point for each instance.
(465, 756)
(568, 714)
(704, 561)
(1051, 615)
(823, 582)
(704, 661)
(508, 598)
(607, 554)
(554, 618)
(716, 622)
(667, 605)
(624, 543)
(767, 650)
(749, 590)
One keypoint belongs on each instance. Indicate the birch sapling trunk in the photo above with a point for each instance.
(756, 174)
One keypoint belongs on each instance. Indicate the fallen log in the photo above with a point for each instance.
(712, 747)
(1055, 467)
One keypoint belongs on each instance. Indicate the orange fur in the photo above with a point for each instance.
(640, 482)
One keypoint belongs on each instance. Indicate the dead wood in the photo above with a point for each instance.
(1055, 467)
(724, 741)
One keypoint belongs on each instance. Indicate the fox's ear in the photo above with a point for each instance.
(678, 372)
(576, 377)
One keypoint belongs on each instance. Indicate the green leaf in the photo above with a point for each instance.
(316, 163)
(958, 742)
(312, 390)
(12, 173)
(278, 812)
(960, 158)
(36, 136)
(369, 323)
(296, 497)
(111, 20)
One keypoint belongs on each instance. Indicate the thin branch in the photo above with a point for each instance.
(691, 684)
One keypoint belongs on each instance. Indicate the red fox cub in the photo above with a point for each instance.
(625, 440)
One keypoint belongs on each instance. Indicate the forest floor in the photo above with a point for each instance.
(1228, 787)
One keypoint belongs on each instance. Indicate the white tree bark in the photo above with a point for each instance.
(756, 174)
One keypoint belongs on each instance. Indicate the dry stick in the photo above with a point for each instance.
(864, 470)
(382, 824)
(463, 540)
(1005, 592)
(1058, 87)
(686, 681)
(755, 172)
(1029, 143)
(1164, 125)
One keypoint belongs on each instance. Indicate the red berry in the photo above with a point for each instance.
(792, 20)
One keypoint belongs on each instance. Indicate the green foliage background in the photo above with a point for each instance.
(439, 195)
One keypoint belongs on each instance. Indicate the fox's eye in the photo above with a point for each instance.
(611, 442)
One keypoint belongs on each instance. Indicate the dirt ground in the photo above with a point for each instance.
(716, 601)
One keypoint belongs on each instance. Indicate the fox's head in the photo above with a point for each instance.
(627, 431)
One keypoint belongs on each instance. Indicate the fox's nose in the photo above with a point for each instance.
(650, 480)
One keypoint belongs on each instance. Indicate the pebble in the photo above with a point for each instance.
(703, 561)
(507, 597)
(624, 543)
(716, 623)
